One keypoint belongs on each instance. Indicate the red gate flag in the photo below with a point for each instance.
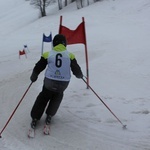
(74, 36)
(22, 52)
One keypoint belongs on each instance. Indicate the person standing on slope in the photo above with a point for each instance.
(59, 62)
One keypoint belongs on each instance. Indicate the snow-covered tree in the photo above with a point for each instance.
(60, 4)
(41, 5)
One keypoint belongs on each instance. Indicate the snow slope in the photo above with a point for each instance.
(118, 35)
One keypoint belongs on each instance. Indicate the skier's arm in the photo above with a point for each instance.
(39, 67)
(76, 70)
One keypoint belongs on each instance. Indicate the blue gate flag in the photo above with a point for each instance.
(47, 38)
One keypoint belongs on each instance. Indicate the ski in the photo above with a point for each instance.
(46, 129)
(31, 133)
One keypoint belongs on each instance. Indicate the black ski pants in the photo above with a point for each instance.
(49, 99)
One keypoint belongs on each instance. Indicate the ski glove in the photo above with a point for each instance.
(33, 77)
(80, 76)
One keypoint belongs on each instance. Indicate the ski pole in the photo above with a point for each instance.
(15, 109)
(124, 126)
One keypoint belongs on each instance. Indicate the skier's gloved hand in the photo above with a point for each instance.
(80, 76)
(33, 77)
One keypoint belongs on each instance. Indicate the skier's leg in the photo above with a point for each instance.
(54, 103)
(40, 104)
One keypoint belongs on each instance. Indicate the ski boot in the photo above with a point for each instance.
(48, 119)
(33, 123)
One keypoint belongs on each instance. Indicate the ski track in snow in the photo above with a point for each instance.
(71, 121)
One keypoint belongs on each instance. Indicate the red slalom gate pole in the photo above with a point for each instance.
(15, 110)
(124, 126)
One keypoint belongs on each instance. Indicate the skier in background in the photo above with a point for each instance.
(59, 63)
